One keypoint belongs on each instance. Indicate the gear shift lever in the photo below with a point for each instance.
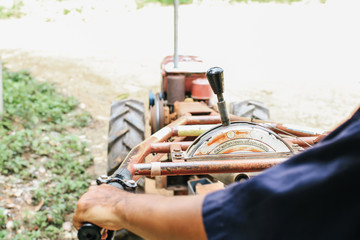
(215, 76)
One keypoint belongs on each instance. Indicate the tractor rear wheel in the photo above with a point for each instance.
(126, 130)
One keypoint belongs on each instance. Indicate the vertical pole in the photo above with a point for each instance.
(1, 91)
(176, 56)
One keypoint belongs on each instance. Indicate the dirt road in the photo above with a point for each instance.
(302, 59)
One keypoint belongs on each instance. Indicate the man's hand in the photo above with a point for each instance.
(100, 206)
(149, 216)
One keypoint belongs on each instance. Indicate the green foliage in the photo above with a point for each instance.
(33, 102)
(34, 133)
(66, 11)
(3, 218)
(14, 11)
(33, 121)
(266, 1)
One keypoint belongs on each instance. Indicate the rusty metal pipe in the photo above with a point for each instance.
(165, 146)
(295, 130)
(203, 167)
(158, 157)
(195, 120)
(138, 153)
(302, 141)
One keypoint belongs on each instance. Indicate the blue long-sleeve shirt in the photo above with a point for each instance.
(313, 195)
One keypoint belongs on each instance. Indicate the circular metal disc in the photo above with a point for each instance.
(238, 137)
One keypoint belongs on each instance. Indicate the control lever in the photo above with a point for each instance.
(215, 75)
(89, 231)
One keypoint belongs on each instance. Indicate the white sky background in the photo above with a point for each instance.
(303, 56)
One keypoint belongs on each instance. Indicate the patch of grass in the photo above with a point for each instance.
(35, 127)
(14, 11)
(72, 10)
(66, 11)
(3, 219)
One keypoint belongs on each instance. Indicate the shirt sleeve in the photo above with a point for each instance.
(313, 195)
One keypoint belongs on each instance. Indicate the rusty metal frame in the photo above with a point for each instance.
(204, 167)
(158, 144)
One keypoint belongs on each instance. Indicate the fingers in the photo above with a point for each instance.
(81, 208)
(77, 222)
(98, 207)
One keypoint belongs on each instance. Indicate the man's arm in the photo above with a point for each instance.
(149, 216)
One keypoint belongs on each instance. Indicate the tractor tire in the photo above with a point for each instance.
(126, 130)
(251, 109)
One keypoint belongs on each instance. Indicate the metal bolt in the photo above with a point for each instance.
(230, 134)
(176, 150)
(131, 182)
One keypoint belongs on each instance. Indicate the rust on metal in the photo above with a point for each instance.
(302, 141)
(175, 88)
(242, 149)
(165, 146)
(196, 120)
(305, 141)
(202, 189)
(167, 116)
(224, 136)
(295, 130)
(175, 147)
(207, 167)
(191, 73)
(195, 108)
(176, 152)
(217, 139)
(215, 119)
(138, 154)
(239, 156)
(201, 89)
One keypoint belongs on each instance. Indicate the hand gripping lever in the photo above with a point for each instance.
(89, 231)
(215, 76)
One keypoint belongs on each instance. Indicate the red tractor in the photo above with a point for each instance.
(194, 146)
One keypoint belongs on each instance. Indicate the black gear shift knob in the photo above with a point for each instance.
(215, 75)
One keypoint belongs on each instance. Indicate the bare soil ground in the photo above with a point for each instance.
(301, 60)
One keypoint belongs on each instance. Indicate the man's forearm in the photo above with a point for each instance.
(159, 217)
(150, 216)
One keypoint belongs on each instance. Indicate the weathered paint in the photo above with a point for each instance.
(192, 130)
(237, 137)
(138, 154)
(206, 167)
(165, 146)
